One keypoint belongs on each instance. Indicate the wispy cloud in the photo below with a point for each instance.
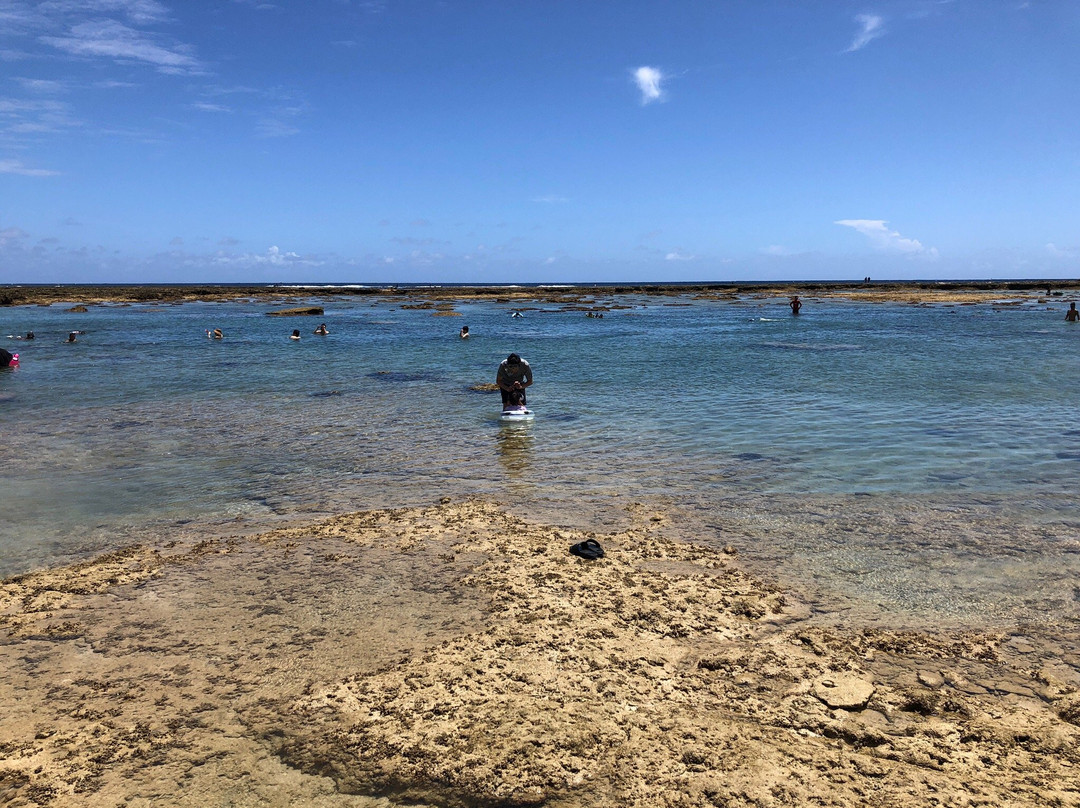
(648, 80)
(871, 26)
(550, 199)
(202, 106)
(16, 167)
(775, 249)
(40, 85)
(886, 240)
(20, 116)
(114, 40)
(411, 241)
(1061, 252)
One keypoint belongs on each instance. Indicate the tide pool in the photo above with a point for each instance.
(740, 421)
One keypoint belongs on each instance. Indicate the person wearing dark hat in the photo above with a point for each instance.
(514, 374)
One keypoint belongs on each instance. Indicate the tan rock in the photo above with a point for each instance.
(844, 692)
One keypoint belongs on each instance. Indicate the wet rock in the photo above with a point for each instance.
(299, 311)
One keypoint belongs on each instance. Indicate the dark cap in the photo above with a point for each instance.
(513, 359)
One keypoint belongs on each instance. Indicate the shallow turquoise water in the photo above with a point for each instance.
(708, 406)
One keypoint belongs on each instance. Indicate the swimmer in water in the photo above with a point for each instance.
(71, 337)
(464, 333)
(321, 330)
(295, 334)
(1072, 315)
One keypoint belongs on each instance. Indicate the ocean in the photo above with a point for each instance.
(905, 463)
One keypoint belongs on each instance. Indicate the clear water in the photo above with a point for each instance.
(898, 459)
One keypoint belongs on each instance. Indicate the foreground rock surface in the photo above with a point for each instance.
(457, 656)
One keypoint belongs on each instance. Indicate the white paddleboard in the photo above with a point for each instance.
(521, 415)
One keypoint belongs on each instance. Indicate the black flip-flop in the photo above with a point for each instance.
(589, 549)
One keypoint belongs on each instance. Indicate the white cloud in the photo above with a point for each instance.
(272, 257)
(775, 249)
(115, 40)
(12, 233)
(1061, 252)
(648, 81)
(872, 26)
(16, 167)
(550, 199)
(885, 239)
(679, 255)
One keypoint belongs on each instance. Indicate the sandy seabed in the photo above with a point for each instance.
(456, 656)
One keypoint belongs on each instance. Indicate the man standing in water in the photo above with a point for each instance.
(514, 374)
(795, 304)
(1072, 315)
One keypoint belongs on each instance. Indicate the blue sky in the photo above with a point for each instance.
(527, 141)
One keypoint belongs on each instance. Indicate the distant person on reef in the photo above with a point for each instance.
(514, 374)
(464, 333)
(795, 304)
(321, 330)
(1072, 315)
